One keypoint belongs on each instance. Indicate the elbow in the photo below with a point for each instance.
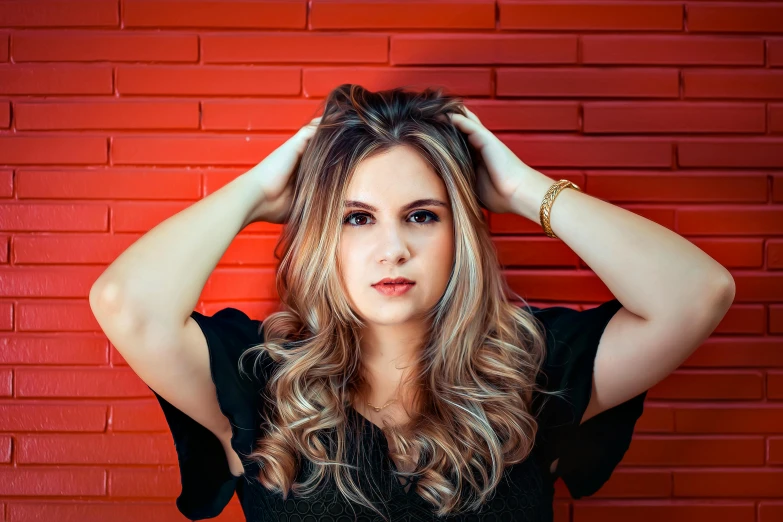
(726, 292)
(105, 296)
(729, 289)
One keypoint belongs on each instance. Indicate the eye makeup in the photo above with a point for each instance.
(434, 217)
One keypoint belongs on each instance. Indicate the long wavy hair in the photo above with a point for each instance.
(476, 371)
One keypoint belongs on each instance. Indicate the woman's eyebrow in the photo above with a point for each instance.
(413, 204)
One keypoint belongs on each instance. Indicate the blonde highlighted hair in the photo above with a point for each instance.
(476, 371)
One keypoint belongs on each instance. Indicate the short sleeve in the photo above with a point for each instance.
(587, 453)
(205, 476)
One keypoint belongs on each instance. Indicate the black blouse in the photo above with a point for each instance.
(588, 452)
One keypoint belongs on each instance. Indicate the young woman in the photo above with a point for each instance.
(399, 381)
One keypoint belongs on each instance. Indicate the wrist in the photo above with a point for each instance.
(527, 200)
(251, 185)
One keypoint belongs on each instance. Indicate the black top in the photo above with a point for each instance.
(588, 453)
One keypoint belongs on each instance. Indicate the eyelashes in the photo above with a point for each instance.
(432, 215)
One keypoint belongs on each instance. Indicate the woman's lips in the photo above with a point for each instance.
(394, 289)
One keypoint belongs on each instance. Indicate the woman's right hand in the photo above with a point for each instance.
(273, 176)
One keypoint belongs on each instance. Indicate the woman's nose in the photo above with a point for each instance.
(393, 244)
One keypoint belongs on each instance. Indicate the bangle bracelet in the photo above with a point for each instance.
(549, 198)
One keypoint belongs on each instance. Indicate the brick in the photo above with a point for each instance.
(671, 50)
(735, 419)
(775, 319)
(673, 117)
(6, 382)
(40, 150)
(4, 258)
(55, 79)
(775, 117)
(566, 286)
(589, 16)
(656, 419)
(95, 449)
(5, 449)
(738, 353)
(141, 217)
(192, 150)
(461, 81)
(254, 14)
(57, 13)
(703, 385)
(755, 287)
(630, 483)
(108, 184)
(774, 253)
(6, 315)
(744, 483)
(138, 416)
(113, 114)
(228, 284)
(666, 450)
(52, 482)
(60, 282)
(207, 80)
(674, 187)
(775, 52)
(568, 151)
(93, 382)
(139, 482)
(502, 115)
(117, 46)
(62, 316)
(775, 450)
(294, 47)
(418, 49)
(359, 14)
(94, 510)
(748, 220)
(770, 512)
(654, 511)
(5, 114)
(29, 349)
(743, 17)
(588, 82)
(4, 46)
(735, 83)
(758, 152)
(41, 249)
(775, 385)
(271, 114)
(49, 417)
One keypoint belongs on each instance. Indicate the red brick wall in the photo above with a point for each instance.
(114, 115)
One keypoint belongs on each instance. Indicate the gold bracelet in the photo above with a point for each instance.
(549, 198)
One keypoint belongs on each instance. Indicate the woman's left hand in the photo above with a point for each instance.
(502, 176)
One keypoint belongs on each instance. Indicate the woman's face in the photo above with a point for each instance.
(389, 230)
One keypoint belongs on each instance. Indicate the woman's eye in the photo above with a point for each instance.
(354, 215)
(425, 214)
(364, 215)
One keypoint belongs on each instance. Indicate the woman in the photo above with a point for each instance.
(399, 380)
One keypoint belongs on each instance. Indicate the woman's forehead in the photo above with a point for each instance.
(393, 179)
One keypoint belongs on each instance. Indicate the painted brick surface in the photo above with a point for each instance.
(116, 114)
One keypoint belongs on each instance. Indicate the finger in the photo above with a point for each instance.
(472, 116)
(463, 123)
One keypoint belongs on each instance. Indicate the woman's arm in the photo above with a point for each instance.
(157, 281)
(653, 272)
(673, 294)
(144, 299)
